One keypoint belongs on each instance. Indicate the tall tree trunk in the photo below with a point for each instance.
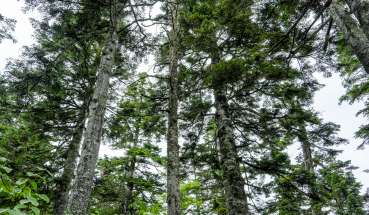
(354, 35)
(233, 182)
(83, 184)
(215, 168)
(309, 167)
(65, 181)
(173, 198)
(306, 150)
(308, 159)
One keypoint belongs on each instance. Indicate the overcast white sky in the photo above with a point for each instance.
(326, 100)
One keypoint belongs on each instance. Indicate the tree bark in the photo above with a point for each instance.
(354, 35)
(173, 198)
(233, 182)
(83, 184)
(65, 181)
(306, 151)
(315, 208)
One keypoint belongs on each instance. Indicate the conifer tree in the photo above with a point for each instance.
(172, 133)
(136, 128)
(7, 26)
(235, 91)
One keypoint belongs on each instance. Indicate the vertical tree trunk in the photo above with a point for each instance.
(315, 208)
(65, 181)
(353, 33)
(306, 150)
(92, 135)
(233, 181)
(308, 159)
(173, 199)
(215, 168)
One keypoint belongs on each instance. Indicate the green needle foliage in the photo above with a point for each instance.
(7, 26)
(236, 77)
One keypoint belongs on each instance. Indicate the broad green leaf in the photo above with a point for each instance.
(4, 210)
(6, 169)
(24, 201)
(33, 201)
(21, 181)
(20, 206)
(34, 185)
(35, 210)
(16, 212)
(30, 174)
(44, 197)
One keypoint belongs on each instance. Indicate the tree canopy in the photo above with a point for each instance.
(206, 128)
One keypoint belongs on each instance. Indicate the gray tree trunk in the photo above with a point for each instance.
(65, 181)
(354, 35)
(306, 150)
(315, 208)
(83, 184)
(233, 181)
(173, 198)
